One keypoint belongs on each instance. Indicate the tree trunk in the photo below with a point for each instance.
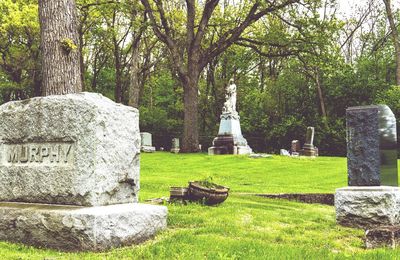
(395, 38)
(190, 142)
(134, 84)
(118, 72)
(60, 54)
(320, 95)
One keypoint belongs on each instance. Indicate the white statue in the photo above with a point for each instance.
(230, 103)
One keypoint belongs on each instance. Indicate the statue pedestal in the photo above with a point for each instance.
(230, 139)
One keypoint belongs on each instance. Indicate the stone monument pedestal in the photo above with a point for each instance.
(229, 139)
(367, 206)
(76, 228)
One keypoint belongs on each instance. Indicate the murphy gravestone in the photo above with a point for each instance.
(69, 174)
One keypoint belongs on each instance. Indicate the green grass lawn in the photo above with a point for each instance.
(244, 226)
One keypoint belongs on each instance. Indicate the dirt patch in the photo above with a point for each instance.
(320, 198)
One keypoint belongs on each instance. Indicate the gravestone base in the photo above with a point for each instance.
(175, 150)
(367, 206)
(148, 149)
(227, 144)
(382, 237)
(76, 228)
(309, 150)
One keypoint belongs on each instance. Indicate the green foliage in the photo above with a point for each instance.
(68, 45)
(161, 110)
(19, 48)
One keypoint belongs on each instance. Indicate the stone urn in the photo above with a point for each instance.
(209, 193)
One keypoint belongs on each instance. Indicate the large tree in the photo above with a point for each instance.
(192, 50)
(61, 72)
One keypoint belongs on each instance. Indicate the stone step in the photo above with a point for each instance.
(77, 228)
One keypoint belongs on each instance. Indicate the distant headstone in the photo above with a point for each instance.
(66, 161)
(147, 145)
(230, 139)
(175, 148)
(371, 146)
(295, 148)
(161, 148)
(308, 148)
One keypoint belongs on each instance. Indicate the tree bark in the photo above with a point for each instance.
(395, 38)
(61, 72)
(134, 85)
(118, 72)
(190, 142)
(320, 95)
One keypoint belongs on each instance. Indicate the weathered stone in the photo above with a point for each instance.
(308, 148)
(175, 148)
(230, 139)
(260, 155)
(385, 236)
(295, 148)
(77, 149)
(366, 207)
(76, 228)
(284, 152)
(146, 143)
(371, 146)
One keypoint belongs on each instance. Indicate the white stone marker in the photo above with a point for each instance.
(175, 147)
(79, 153)
(147, 144)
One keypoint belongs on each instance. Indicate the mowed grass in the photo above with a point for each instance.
(244, 226)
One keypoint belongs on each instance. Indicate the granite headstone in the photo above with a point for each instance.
(371, 146)
(69, 174)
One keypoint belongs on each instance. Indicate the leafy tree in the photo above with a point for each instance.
(190, 48)
(19, 50)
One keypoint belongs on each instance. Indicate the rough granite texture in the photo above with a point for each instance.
(367, 207)
(103, 139)
(371, 146)
(363, 146)
(386, 236)
(75, 228)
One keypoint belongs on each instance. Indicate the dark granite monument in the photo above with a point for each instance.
(372, 199)
(371, 146)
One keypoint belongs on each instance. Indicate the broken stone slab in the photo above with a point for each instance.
(260, 155)
(368, 206)
(385, 236)
(76, 228)
(77, 149)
